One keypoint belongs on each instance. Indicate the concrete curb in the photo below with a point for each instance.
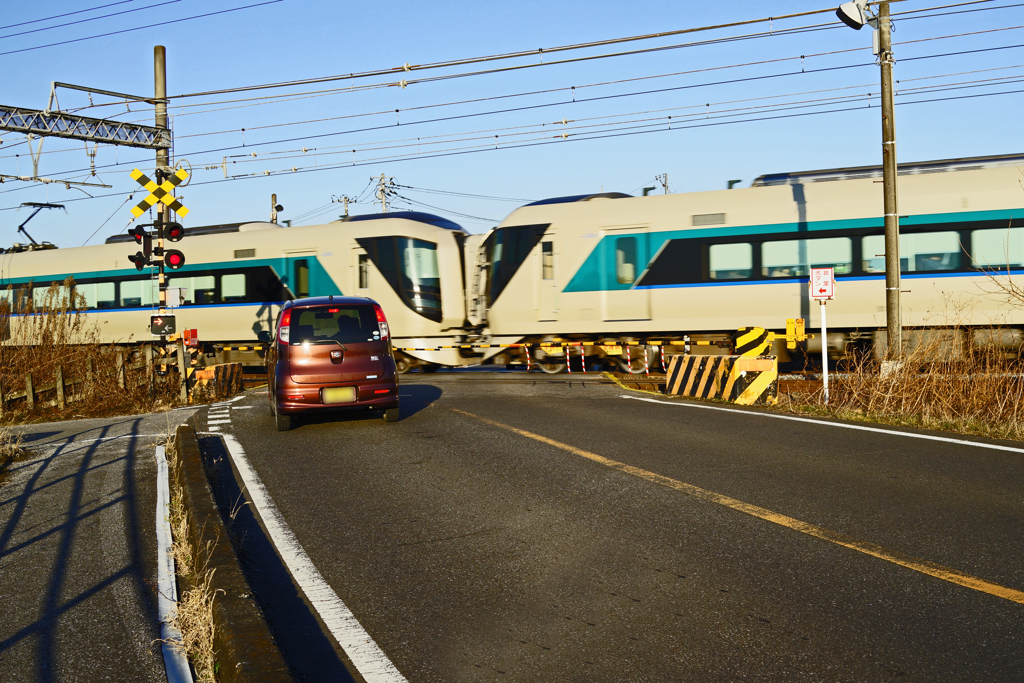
(246, 651)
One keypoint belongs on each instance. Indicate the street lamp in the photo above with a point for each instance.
(855, 15)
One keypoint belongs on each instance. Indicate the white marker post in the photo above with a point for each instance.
(822, 286)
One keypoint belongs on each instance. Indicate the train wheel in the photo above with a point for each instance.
(551, 368)
(430, 367)
(402, 365)
(635, 366)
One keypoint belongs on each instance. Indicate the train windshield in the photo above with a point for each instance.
(421, 281)
(410, 267)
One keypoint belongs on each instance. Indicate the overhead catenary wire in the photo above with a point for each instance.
(583, 139)
(548, 105)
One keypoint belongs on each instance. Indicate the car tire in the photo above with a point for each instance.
(284, 422)
(391, 414)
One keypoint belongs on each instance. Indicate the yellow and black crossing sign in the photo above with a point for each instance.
(160, 193)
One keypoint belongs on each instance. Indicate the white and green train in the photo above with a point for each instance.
(604, 267)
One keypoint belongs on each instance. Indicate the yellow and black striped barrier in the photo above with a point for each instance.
(251, 347)
(739, 379)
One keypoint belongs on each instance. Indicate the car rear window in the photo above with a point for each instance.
(344, 324)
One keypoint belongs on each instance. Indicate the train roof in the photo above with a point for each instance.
(417, 216)
(209, 230)
(856, 172)
(580, 198)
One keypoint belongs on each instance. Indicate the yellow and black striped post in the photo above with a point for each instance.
(739, 379)
(752, 342)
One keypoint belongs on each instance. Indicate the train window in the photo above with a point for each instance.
(138, 293)
(364, 271)
(420, 277)
(794, 258)
(97, 294)
(198, 290)
(730, 261)
(998, 248)
(232, 288)
(302, 278)
(547, 260)
(41, 296)
(625, 260)
(919, 252)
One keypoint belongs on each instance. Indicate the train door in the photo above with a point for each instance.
(547, 308)
(360, 272)
(624, 260)
(298, 277)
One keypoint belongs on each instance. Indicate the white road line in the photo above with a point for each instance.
(218, 422)
(365, 654)
(175, 662)
(824, 423)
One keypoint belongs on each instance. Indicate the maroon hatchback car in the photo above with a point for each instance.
(330, 353)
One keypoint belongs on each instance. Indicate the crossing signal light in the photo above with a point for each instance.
(173, 259)
(174, 232)
(141, 259)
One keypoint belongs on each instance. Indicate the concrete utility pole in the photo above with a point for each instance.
(382, 193)
(162, 166)
(894, 324)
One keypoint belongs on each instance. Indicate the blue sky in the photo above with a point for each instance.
(713, 102)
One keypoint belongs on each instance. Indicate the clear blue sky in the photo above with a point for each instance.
(297, 39)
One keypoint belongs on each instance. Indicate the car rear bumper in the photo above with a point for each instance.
(378, 395)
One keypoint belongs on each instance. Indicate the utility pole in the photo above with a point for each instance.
(663, 179)
(162, 169)
(892, 219)
(382, 193)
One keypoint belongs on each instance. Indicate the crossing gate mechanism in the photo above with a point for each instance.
(738, 379)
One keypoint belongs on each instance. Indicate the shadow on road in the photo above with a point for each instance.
(306, 648)
(412, 399)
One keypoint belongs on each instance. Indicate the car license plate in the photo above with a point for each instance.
(612, 350)
(338, 395)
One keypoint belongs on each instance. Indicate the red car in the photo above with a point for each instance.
(331, 352)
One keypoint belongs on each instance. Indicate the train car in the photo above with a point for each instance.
(615, 267)
(237, 276)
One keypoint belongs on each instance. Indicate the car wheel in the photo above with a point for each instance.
(391, 415)
(284, 422)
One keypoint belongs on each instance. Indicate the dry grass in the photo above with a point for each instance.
(979, 390)
(193, 616)
(55, 333)
(11, 451)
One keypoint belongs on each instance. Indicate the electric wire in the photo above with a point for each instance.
(585, 139)
(82, 21)
(164, 23)
(67, 14)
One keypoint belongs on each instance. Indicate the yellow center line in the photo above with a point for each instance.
(923, 566)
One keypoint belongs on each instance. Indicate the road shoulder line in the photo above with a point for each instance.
(364, 653)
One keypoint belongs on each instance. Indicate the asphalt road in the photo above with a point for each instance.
(78, 552)
(473, 552)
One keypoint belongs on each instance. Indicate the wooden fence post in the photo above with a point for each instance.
(183, 368)
(150, 378)
(30, 394)
(60, 388)
(120, 369)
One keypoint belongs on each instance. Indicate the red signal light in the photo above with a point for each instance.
(174, 232)
(173, 259)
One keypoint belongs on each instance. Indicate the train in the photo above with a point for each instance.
(606, 268)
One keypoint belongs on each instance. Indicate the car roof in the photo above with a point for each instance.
(329, 300)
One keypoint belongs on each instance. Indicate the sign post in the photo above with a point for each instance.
(822, 285)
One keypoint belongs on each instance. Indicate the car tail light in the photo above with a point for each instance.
(284, 329)
(381, 391)
(382, 322)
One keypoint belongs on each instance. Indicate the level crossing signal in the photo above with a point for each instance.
(142, 258)
(173, 259)
(174, 232)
